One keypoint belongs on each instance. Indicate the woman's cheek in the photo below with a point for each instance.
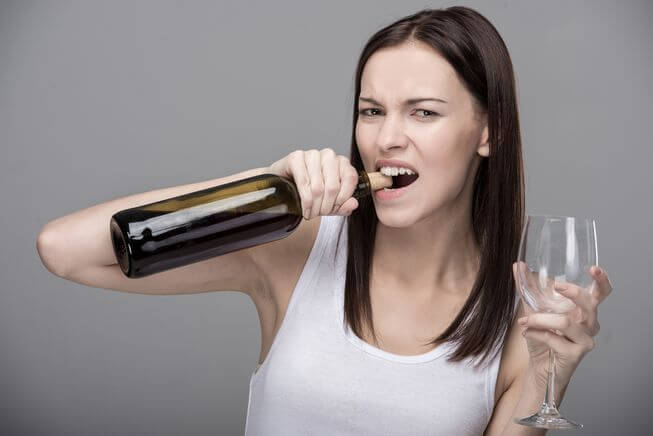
(363, 139)
(449, 171)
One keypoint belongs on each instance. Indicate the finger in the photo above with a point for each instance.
(561, 323)
(314, 167)
(582, 298)
(604, 286)
(558, 343)
(349, 206)
(348, 182)
(331, 175)
(300, 176)
(586, 310)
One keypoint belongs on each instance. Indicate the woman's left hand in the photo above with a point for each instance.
(570, 335)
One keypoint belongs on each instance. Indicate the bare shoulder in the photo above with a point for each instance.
(281, 262)
(514, 358)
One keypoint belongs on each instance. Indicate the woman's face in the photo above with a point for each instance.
(442, 140)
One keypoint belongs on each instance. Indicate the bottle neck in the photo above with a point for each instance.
(370, 182)
(364, 187)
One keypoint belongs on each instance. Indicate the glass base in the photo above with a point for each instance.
(548, 420)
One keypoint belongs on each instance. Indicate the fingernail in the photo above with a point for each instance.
(306, 213)
(522, 320)
(560, 287)
(598, 271)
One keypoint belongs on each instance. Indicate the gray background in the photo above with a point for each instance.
(99, 100)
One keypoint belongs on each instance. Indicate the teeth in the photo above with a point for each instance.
(395, 171)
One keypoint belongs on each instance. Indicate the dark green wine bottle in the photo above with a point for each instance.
(200, 225)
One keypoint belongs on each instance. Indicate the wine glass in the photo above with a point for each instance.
(554, 249)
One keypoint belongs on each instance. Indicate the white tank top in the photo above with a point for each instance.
(319, 378)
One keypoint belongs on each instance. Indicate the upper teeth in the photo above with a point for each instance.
(394, 171)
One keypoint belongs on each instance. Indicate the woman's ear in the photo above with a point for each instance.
(484, 146)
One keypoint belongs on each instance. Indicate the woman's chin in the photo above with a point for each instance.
(395, 217)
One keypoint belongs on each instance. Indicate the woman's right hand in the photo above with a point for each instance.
(325, 181)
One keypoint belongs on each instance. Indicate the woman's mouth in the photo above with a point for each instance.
(400, 184)
(403, 180)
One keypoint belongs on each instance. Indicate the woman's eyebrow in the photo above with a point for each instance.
(408, 102)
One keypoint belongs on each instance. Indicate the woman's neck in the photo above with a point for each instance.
(439, 254)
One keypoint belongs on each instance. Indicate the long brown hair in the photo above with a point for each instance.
(474, 48)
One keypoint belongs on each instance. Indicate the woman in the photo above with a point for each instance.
(436, 95)
(395, 315)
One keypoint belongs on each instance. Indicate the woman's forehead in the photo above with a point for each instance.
(402, 72)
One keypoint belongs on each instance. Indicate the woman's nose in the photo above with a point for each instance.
(391, 134)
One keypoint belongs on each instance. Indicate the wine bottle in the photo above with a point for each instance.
(200, 225)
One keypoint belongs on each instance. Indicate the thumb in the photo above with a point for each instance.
(348, 206)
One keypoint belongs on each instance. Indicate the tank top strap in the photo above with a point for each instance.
(491, 374)
(307, 278)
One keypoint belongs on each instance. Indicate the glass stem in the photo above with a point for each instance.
(549, 405)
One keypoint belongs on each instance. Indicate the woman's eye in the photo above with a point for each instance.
(368, 112)
(426, 113)
(422, 113)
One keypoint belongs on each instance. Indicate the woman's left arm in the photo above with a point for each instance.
(570, 335)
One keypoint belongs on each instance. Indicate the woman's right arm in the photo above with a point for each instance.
(77, 247)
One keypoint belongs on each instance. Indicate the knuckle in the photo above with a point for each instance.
(328, 151)
(317, 188)
(332, 188)
(296, 156)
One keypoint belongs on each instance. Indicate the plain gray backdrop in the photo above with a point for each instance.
(99, 100)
